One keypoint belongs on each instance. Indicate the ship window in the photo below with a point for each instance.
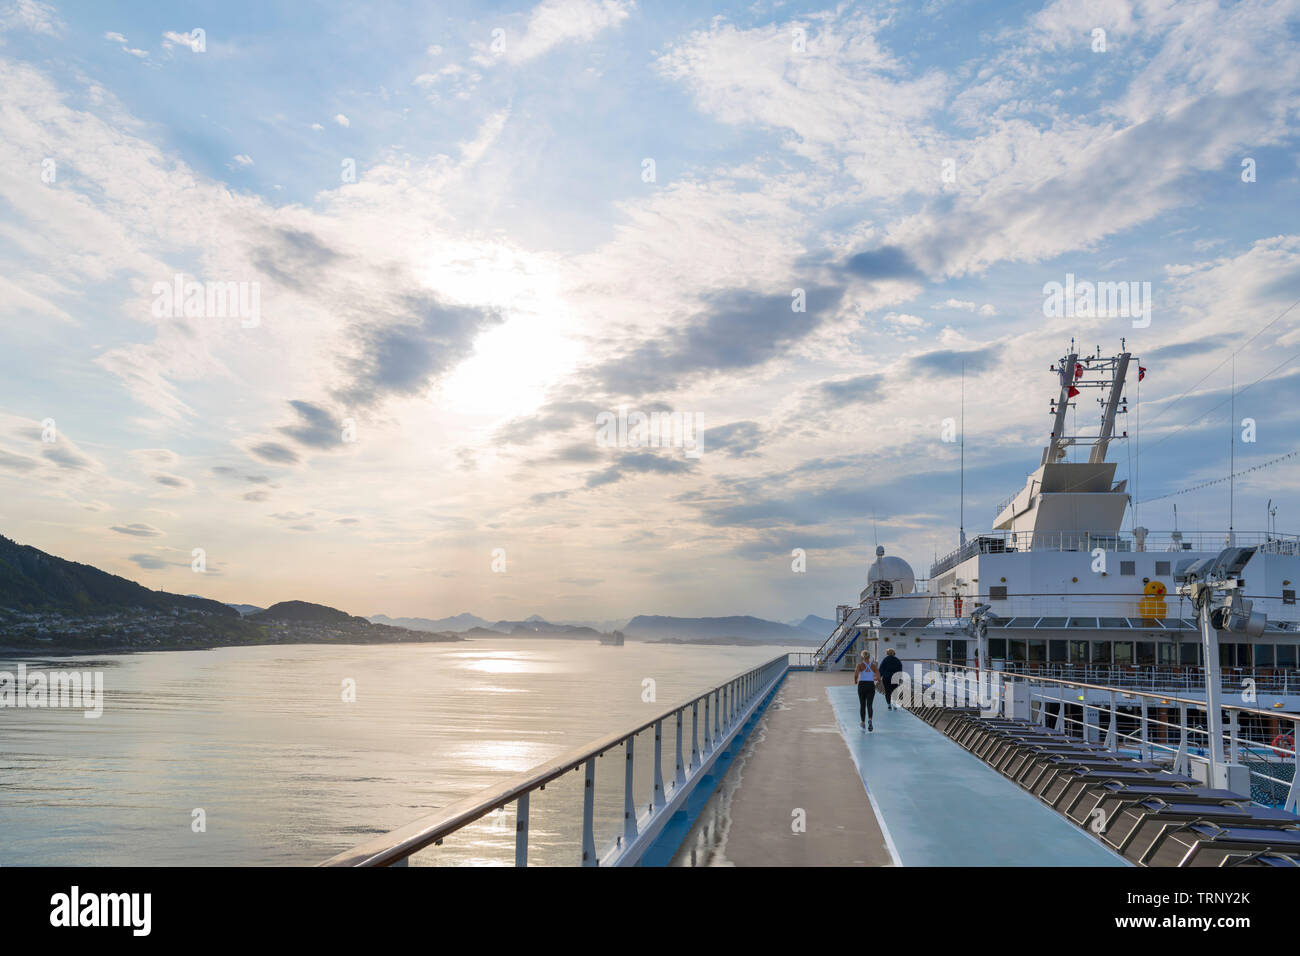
(1051, 622)
(997, 648)
(1189, 654)
(1128, 567)
(1288, 596)
(1078, 652)
(1286, 655)
(1056, 651)
(1162, 569)
(1037, 652)
(998, 593)
(1114, 622)
(1168, 652)
(1123, 652)
(1016, 651)
(1146, 652)
(1263, 655)
(1101, 652)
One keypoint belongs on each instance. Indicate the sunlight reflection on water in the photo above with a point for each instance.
(287, 772)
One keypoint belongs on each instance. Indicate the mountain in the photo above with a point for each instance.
(31, 580)
(246, 609)
(700, 629)
(303, 612)
(822, 626)
(457, 624)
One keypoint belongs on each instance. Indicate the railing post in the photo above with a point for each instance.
(657, 800)
(589, 815)
(1232, 736)
(1146, 738)
(521, 830)
(1292, 801)
(1112, 735)
(708, 744)
(695, 730)
(629, 805)
(1060, 713)
(679, 777)
(1181, 758)
(717, 718)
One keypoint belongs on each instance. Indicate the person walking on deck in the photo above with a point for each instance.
(865, 676)
(889, 669)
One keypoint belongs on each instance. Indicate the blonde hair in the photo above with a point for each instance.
(889, 651)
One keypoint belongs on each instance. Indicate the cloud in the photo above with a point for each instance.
(138, 530)
(402, 358)
(736, 440)
(172, 481)
(850, 391)
(275, 453)
(735, 330)
(16, 462)
(30, 15)
(317, 427)
(639, 463)
(947, 362)
(556, 22)
(887, 262)
(342, 120)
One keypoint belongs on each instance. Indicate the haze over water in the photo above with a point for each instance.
(286, 772)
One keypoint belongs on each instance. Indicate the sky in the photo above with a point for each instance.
(453, 236)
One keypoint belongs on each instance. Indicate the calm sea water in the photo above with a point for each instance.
(286, 772)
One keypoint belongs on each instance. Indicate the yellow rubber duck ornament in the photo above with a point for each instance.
(1153, 601)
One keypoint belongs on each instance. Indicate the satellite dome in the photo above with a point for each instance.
(890, 576)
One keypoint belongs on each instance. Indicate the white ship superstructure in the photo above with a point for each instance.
(1069, 594)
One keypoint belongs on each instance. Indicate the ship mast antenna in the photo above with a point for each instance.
(1232, 445)
(961, 507)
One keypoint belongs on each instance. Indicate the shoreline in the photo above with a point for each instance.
(91, 652)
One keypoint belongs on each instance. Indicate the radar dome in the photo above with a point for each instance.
(890, 576)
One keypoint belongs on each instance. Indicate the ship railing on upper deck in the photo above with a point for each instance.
(1172, 542)
(726, 711)
(1234, 680)
(1131, 610)
(1268, 755)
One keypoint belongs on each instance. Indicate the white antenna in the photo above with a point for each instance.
(961, 508)
(1232, 444)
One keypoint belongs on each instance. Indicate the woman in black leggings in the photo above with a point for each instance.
(865, 676)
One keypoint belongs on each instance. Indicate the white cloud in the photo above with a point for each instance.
(342, 120)
(555, 22)
(31, 15)
(115, 37)
(243, 159)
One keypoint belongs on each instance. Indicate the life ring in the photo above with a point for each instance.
(1283, 740)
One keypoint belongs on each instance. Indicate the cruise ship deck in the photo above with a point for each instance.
(902, 795)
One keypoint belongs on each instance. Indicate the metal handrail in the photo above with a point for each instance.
(744, 688)
(1182, 753)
